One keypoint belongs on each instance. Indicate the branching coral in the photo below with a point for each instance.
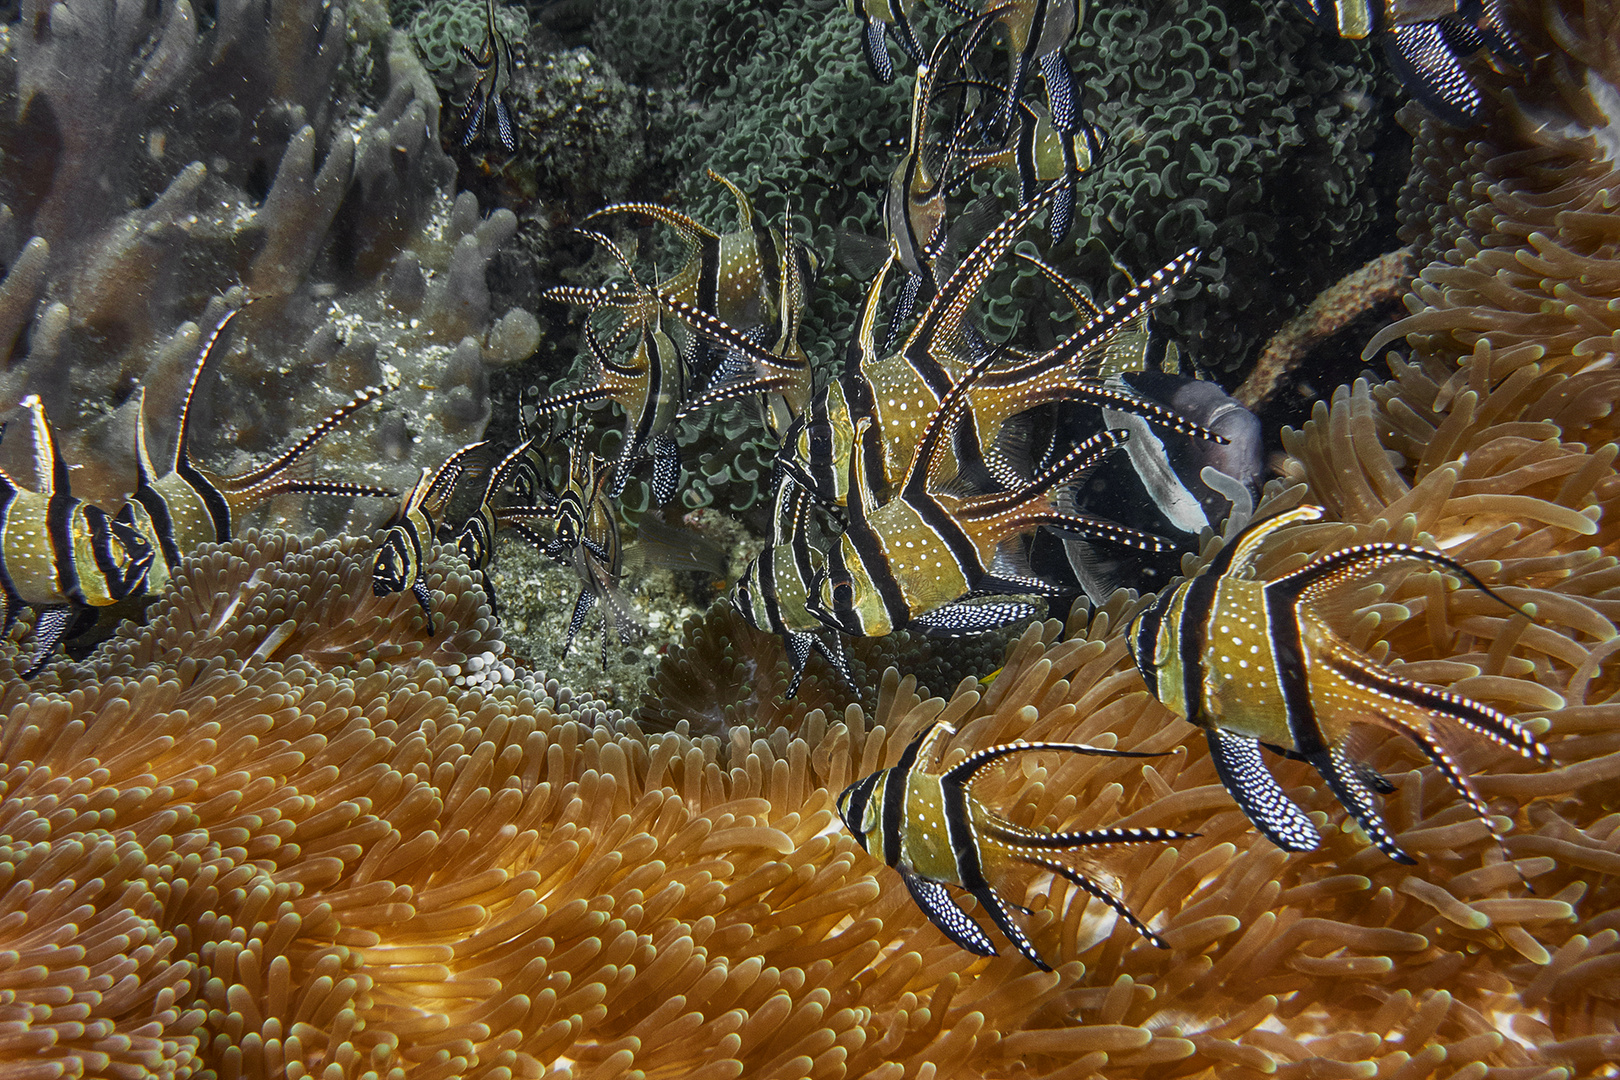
(258, 149)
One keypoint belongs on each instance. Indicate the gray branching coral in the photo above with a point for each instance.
(259, 149)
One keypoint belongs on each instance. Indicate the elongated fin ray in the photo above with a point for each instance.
(260, 483)
(967, 771)
(1351, 789)
(1075, 877)
(996, 907)
(1327, 570)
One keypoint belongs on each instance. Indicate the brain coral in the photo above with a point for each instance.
(442, 29)
(1237, 127)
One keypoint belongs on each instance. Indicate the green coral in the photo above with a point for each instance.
(441, 29)
(1236, 126)
(728, 460)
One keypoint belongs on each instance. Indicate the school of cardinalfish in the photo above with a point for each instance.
(940, 481)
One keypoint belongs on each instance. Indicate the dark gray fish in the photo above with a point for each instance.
(1164, 483)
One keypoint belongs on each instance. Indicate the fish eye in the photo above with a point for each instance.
(869, 818)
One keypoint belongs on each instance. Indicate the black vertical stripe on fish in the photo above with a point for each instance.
(892, 816)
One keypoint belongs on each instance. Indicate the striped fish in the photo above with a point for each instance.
(914, 201)
(1037, 33)
(587, 540)
(773, 591)
(1041, 154)
(1254, 665)
(790, 373)
(651, 385)
(185, 505)
(488, 97)
(523, 468)
(928, 826)
(920, 559)
(1426, 41)
(735, 277)
(401, 561)
(898, 392)
(59, 554)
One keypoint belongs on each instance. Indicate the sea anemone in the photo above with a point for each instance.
(262, 865)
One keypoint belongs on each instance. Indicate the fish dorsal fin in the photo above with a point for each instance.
(745, 208)
(144, 472)
(1241, 556)
(1072, 292)
(924, 464)
(931, 745)
(1141, 299)
(415, 497)
(692, 234)
(444, 479)
(867, 335)
(498, 475)
(50, 471)
(945, 317)
(181, 459)
(791, 300)
(639, 290)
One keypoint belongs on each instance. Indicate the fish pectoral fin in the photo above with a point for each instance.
(874, 37)
(424, 596)
(942, 911)
(1424, 61)
(50, 627)
(1244, 774)
(666, 457)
